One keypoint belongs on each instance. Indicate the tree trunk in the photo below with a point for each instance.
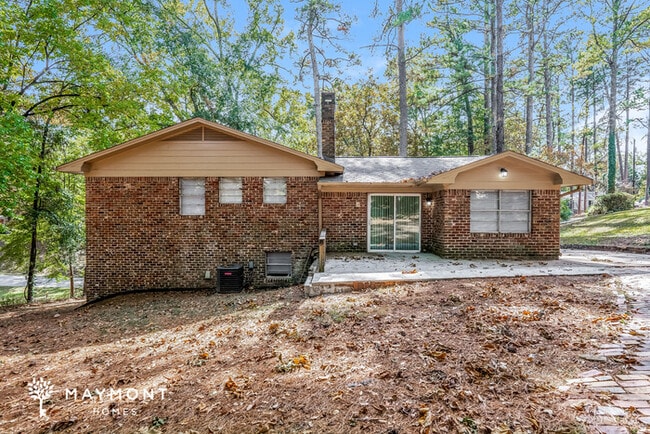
(487, 82)
(573, 112)
(33, 245)
(647, 153)
(499, 109)
(470, 126)
(401, 67)
(594, 136)
(548, 99)
(634, 167)
(624, 163)
(620, 156)
(316, 77)
(36, 204)
(530, 23)
(613, 69)
(71, 276)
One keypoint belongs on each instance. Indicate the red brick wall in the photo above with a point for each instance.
(345, 217)
(136, 238)
(328, 107)
(432, 221)
(452, 237)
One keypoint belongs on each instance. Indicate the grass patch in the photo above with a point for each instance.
(623, 228)
(14, 295)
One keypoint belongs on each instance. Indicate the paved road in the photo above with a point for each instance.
(17, 280)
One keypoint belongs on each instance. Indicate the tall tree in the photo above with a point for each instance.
(532, 39)
(401, 68)
(647, 154)
(366, 119)
(460, 58)
(209, 63)
(56, 83)
(322, 25)
(488, 75)
(539, 26)
(392, 38)
(627, 23)
(499, 109)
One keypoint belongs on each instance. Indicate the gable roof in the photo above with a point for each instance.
(82, 165)
(436, 170)
(395, 169)
(562, 177)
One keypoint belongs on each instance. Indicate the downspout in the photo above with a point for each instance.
(320, 210)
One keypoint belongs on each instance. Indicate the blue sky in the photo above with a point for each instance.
(362, 32)
(365, 28)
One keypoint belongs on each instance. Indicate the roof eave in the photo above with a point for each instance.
(563, 177)
(77, 166)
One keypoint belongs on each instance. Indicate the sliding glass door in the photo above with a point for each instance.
(394, 223)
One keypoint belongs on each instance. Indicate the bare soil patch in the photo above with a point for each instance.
(473, 356)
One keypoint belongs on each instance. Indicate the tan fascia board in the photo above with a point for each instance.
(372, 187)
(563, 177)
(83, 165)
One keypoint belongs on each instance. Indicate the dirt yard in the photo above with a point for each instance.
(471, 356)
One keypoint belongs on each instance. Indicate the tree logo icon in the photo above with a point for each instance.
(41, 390)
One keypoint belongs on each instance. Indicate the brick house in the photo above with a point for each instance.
(167, 209)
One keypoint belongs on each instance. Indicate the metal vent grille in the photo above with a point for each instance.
(278, 264)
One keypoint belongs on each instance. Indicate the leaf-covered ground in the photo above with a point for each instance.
(452, 356)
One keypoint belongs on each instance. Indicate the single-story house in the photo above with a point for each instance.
(167, 209)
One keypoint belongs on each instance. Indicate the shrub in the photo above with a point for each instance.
(565, 210)
(612, 202)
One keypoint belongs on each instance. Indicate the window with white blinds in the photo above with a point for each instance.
(275, 190)
(192, 196)
(500, 211)
(230, 190)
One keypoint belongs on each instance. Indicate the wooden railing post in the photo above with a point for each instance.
(322, 250)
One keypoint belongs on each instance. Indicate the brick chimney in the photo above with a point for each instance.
(328, 106)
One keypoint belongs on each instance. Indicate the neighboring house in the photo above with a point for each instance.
(166, 209)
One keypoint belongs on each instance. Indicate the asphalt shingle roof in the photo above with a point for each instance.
(395, 169)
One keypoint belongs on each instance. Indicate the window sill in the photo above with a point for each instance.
(499, 234)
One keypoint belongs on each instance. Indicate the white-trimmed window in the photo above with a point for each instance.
(230, 190)
(500, 211)
(275, 190)
(192, 196)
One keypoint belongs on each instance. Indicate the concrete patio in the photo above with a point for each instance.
(357, 270)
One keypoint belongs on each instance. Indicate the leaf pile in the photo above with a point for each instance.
(476, 356)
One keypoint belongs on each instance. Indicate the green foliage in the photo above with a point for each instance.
(63, 96)
(157, 422)
(565, 210)
(366, 118)
(16, 164)
(210, 65)
(611, 202)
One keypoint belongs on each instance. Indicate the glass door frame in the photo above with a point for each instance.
(369, 222)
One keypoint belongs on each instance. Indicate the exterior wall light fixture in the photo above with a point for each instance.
(428, 199)
(503, 173)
